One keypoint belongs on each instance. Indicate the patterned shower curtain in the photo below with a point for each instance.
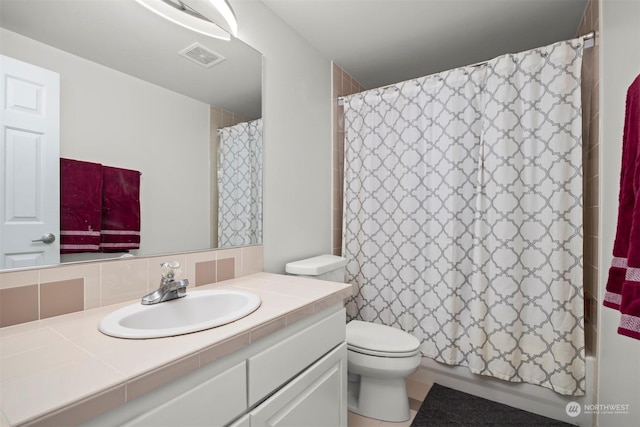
(240, 184)
(463, 214)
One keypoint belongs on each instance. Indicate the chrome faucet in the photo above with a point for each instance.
(169, 288)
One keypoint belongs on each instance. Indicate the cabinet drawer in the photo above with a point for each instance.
(317, 397)
(273, 367)
(214, 402)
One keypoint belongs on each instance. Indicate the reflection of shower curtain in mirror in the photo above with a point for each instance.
(240, 184)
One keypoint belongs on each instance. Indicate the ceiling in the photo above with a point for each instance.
(380, 42)
(125, 36)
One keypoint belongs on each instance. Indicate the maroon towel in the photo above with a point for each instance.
(80, 206)
(120, 210)
(623, 285)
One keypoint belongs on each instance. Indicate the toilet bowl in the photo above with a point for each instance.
(379, 357)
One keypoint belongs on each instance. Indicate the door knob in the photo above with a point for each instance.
(46, 238)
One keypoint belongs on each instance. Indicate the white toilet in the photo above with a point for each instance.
(379, 357)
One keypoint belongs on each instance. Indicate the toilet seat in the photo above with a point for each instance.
(381, 353)
(379, 340)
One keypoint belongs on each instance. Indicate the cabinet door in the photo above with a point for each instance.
(316, 398)
(244, 421)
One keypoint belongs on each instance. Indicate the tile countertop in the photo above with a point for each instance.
(58, 369)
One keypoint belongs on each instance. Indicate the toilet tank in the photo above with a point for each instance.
(323, 267)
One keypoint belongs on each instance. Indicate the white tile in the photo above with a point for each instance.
(417, 389)
(32, 339)
(355, 420)
(407, 423)
(123, 280)
(251, 260)
(36, 382)
(33, 396)
(294, 285)
(81, 323)
(19, 278)
(90, 272)
(135, 357)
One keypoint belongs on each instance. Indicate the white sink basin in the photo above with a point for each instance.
(197, 311)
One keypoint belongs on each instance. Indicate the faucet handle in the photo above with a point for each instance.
(171, 269)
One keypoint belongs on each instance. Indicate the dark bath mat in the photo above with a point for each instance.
(447, 407)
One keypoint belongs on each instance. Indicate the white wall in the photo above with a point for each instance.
(297, 137)
(618, 356)
(112, 118)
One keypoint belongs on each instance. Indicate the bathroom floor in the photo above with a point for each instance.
(417, 392)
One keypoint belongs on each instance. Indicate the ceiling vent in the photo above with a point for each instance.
(201, 55)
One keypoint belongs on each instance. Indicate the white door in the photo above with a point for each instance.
(29, 165)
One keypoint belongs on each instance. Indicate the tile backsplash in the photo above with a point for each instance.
(28, 295)
(591, 158)
(343, 84)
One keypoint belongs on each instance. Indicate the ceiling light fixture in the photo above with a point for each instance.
(213, 18)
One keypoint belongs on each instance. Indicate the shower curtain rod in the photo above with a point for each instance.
(590, 36)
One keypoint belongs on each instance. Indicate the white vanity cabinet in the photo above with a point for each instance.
(296, 376)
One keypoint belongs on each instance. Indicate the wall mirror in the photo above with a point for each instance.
(135, 94)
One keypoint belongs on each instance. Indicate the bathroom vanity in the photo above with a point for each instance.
(295, 376)
(284, 364)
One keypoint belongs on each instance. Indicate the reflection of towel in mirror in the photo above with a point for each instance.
(80, 206)
(623, 286)
(120, 210)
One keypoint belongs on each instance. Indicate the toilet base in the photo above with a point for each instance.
(380, 398)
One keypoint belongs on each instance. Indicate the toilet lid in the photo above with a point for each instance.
(373, 338)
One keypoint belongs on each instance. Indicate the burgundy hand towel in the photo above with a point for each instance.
(120, 210)
(626, 205)
(630, 292)
(623, 285)
(80, 206)
(630, 309)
